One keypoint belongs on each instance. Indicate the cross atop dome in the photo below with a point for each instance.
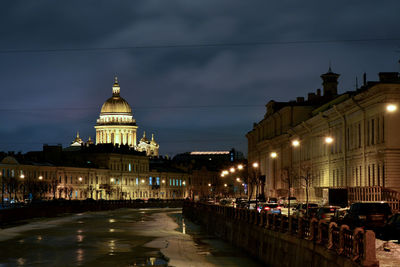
(116, 89)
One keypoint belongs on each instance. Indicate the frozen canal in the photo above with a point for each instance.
(125, 237)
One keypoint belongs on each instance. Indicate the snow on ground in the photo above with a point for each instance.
(178, 247)
(388, 258)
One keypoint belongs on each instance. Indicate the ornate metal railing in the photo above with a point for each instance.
(357, 244)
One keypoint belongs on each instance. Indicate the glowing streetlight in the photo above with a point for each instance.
(209, 184)
(22, 176)
(240, 167)
(222, 174)
(273, 155)
(112, 180)
(295, 143)
(163, 181)
(225, 185)
(255, 165)
(40, 177)
(232, 170)
(142, 181)
(225, 172)
(238, 179)
(328, 140)
(183, 182)
(391, 108)
(80, 179)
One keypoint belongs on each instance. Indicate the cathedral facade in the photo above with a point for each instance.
(117, 126)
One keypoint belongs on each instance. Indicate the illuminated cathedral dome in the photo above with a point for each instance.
(116, 124)
(116, 104)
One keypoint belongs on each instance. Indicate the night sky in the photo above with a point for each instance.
(192, 96)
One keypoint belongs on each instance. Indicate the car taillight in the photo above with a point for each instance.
(323, 216)
(266, 208)
(279, 208)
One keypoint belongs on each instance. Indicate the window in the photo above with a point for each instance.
(173, 182)
(137, 180)
(150, 180)
(372, 132)
(158, 181)
(130, 167)
(377, 131)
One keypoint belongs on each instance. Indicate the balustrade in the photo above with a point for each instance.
(359, 245)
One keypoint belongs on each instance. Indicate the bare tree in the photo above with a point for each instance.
(288, 177)
(53, 184)
(306, 179)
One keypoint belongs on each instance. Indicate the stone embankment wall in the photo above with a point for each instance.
(54, 208)
(278, 240)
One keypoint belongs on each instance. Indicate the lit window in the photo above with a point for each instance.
(150, 181)
(137, 181)
(173, 182)
(180, 182)
(130, 167)
(158, 181)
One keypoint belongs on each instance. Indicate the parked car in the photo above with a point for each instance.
(272, 200)
(326, 213)
(226, 202)
(284, 201)
(273, 208)
(301, 209)
(339, 214)
(391, 230)
(370, 215)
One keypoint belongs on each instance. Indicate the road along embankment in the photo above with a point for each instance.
(278, 240)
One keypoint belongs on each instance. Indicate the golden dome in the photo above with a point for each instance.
(116, 104)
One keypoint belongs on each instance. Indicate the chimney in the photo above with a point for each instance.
(388, 77)
(365, 79)
(311, 96)
(300, 99)
(330, 82)
(318, 92)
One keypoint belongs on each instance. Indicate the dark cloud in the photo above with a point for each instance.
(47, 97)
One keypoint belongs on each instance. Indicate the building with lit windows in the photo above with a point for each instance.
(97, 171)
(332, 141)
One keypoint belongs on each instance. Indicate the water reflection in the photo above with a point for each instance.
(80, 255)
(21, 261)
(111, 246)
(113, 238)
(79, 238)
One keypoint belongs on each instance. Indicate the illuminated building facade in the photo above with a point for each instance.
(116, 124)
(92, 172)
(332, 141)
